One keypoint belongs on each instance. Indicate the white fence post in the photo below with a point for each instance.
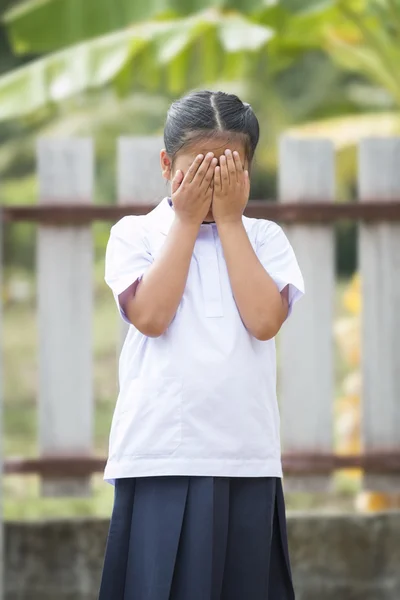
(379, 251)
(307, 174)
(139, 176)
(65, 312)
(139, 171)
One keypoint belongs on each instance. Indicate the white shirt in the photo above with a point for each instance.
(201, 398)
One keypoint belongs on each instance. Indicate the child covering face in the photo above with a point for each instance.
(194, 447)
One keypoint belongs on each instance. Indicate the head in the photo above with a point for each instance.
(204, 122)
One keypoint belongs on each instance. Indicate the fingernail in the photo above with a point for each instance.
(227, 152)
(210, 154)
(214, 161)
(235, 154)
(199, 156)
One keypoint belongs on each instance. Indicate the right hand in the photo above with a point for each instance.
(192, 193)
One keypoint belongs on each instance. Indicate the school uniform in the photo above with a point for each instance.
(194, 445)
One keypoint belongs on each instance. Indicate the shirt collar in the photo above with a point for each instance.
(162, 216)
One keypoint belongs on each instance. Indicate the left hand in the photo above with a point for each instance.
(231, 189)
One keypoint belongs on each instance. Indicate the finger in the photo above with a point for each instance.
(203, 169)
(210, 188)
(238, 163)
(193, 168)
(247, 182)
(208, 177)
(217, 178)
(211, 184)
(224, 171)
(177, 180)
(231, 165)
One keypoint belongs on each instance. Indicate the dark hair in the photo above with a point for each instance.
(210, 114)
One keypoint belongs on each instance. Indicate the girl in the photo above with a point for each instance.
(194, 447)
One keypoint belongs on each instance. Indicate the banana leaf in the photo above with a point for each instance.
(38, 26)
(152, 55)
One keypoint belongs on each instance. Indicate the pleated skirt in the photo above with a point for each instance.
(197, 538)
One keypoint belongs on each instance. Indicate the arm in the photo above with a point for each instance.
(151, 305)
(262, 307)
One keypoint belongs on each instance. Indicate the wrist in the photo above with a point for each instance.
(186, 225)
(229, 223)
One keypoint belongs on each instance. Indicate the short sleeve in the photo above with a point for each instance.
(127, 256)
(278, 258)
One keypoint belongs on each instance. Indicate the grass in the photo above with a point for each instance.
(22, 494)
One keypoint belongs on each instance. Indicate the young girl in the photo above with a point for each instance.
(194, 448)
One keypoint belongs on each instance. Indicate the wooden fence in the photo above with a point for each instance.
(307, 210)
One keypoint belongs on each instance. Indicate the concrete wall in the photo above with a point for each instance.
(334, 558)
(349, 557)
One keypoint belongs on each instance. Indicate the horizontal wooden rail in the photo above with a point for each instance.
(293, 464)
(311, 212)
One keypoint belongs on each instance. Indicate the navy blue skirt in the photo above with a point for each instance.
(197, 538)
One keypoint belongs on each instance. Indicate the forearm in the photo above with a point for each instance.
(153, 305)
(257, 297)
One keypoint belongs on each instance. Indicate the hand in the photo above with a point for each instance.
(192, 193)
(231, 189)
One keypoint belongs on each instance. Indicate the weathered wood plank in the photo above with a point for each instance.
(306, 172)
(379, 250)
(139, 178)
(290, 213)
(65, 303)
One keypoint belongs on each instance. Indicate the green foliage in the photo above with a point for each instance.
(19, 239)
(169, 45)
(346, 248)
(367, 40)
(63, 23)
(161, 55)
(275, 52)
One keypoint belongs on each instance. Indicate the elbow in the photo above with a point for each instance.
(146, 319)
(265, 331)
(264, 335)
(151, 327)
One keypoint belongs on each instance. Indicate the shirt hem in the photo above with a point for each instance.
(191, 467)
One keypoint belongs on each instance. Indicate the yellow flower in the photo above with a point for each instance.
(352, 296)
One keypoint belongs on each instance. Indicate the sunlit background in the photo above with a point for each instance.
(110, 68)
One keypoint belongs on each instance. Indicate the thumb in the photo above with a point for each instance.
(177, 180)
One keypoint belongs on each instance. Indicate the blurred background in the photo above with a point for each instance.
(321, 69)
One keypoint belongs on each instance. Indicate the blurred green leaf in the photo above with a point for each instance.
(64, 74)
(175, 54)
(237, 34)
(38, 26)
(299, 6)
(367, 41)
(138, 55)
(367, 61)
